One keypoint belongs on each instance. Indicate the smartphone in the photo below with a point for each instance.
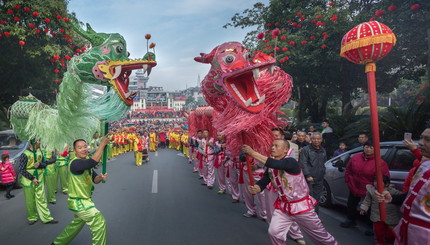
(408, 136)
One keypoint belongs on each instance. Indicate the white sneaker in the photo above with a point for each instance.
(300, 241)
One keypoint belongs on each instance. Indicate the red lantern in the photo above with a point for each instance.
(10, 11)
(3, 22)
(37, 31)
(283, 38)
(69, 40)
(59, 17)
(260, 35)
(415, 7)
(304, 42)
(312, 37)
(62, 30)
(17, 6)
(22, 43)
(67, 57)
(284, 49)
(323, 46)
(392, 8)
(292, 43)
(66, 19)
(27, 9)
(373, 43)
(16, 19)
(379, 13)
(56, 71)
(47, 20)
(35, 14)
(148, 36)
(31, 26)
(6, 33)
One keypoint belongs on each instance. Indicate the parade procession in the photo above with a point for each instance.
(314, 129)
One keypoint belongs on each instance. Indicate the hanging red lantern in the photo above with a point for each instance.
(16, 19)
(66, 19)
(284, 49)
(62, 30)
(415, 7)
(304, 42)
(27, 9)
(69, 40)
(56, 80)
(283, 38)
(35, 14)
(83, 48)
(260, 35)
(47, 20)
(379, 13)
(78, 50)
(6, 33)
(312, 37)
(374, 42)
(17, 6)
(67, 57)
(3, 22)
(323, 46)
(392, 8)
(22, 43)
(10, 11)
(56, 57)
(56, 71)
(37, 31)
(292, 43)
(59, 17)
(31, 25)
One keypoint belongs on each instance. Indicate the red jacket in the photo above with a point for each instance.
(7, 173)
(360, 172)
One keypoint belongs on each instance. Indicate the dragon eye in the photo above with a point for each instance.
(119, 49)
(128, 54)
(247, 56)
(229, 59)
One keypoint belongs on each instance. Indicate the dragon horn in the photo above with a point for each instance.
(95, 38)
(206, 58)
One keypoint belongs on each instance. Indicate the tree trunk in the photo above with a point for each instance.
(300, 106)
(428, 55)
(346, 103)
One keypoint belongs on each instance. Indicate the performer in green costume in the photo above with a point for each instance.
(51, 176)
(62, 163)
(80, 191)
(31, 168)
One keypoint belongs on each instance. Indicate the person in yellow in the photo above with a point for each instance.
(138, 150)
(153, 141)
(171, 139)
(178, 146)
(81, 179)
(185, 145)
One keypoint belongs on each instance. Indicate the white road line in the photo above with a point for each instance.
(155, 182)
(156, 153)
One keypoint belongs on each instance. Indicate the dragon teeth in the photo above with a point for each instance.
(272, 69)
(256, 73)
(117, 72)
(262, 98)
(248, 102)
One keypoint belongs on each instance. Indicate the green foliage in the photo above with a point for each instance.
(29, 68)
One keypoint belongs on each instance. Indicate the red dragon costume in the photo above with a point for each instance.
(247, 91)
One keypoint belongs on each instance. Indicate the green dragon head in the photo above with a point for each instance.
(107, 62)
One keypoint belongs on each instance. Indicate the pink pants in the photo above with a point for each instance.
(271, 198)
(221, 171)
(249, 198)
(208, 172)
(233, 184)
(308, 221)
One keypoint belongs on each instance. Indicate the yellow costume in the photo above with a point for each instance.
(153, 142)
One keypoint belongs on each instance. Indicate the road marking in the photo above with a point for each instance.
(156, 153)
(181, 154)
(155, 182)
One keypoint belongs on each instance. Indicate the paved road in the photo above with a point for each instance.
(159, 203)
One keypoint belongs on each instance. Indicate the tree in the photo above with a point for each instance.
(37, 40)
(307, 46)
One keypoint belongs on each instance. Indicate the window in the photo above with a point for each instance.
(403, 160)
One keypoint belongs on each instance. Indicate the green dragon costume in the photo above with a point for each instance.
(76, 115)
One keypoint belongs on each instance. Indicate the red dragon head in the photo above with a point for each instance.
(234, 73)
(247, 91)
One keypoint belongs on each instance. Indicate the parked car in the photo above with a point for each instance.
(399, 159)
(10, 142)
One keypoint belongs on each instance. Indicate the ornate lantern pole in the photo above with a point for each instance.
(366, 44)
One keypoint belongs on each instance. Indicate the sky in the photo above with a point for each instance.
(181, 30)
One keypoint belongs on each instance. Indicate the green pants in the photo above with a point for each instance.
(62, 173)
(35, 201)
(109, 151)
(93, 218)
(51, 186)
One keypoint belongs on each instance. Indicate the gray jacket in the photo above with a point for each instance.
(312, 162)
(392, 211)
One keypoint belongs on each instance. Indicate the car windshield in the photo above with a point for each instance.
(10, 142)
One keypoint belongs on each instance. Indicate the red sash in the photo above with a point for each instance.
(406, 219)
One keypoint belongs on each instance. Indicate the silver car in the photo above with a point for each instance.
(10, 142)
(398, 157)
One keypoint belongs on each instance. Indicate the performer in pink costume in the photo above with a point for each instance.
(192, 156)
(271, 195)
(232, 175)
(220, 159)
(198, 161)
(294, 203)
(206, 149)
(253, 210)
(414, 227)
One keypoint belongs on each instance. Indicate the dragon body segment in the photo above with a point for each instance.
(247, 91)
(76, 115)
